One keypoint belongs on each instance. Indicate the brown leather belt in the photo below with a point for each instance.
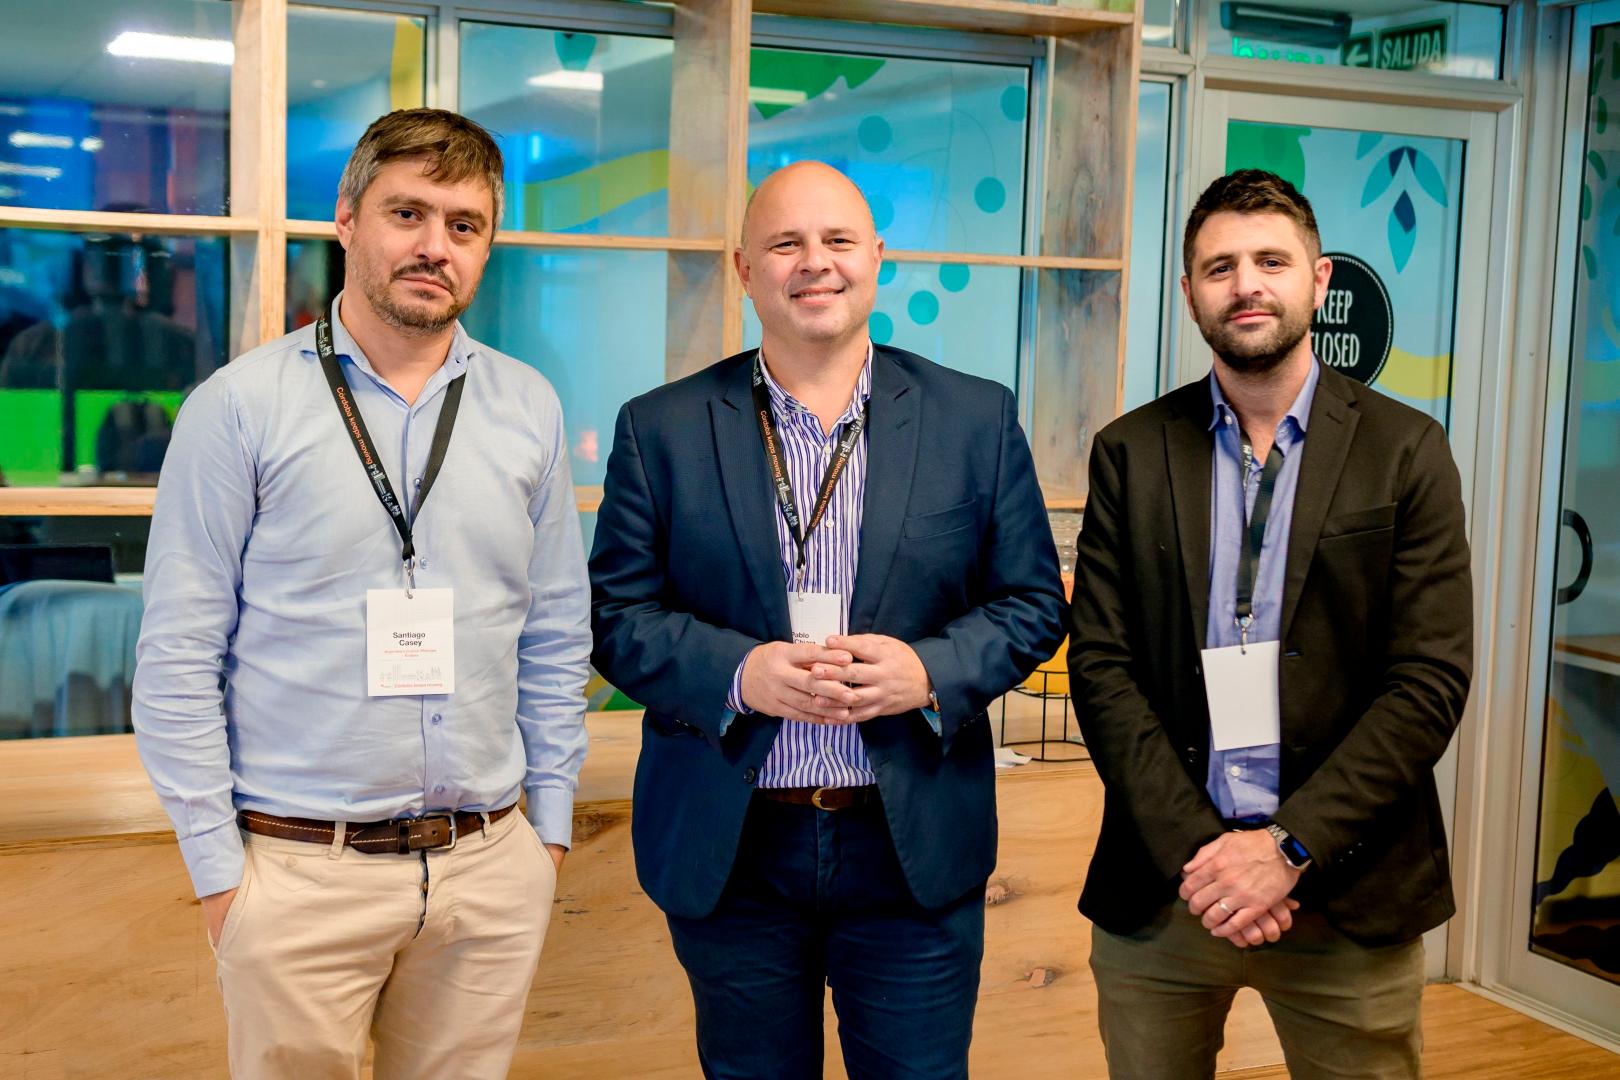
(822, 798)
(402, 835)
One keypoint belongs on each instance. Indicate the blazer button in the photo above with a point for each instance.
(749, 774)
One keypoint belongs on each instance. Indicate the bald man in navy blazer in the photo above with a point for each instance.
(822, 812)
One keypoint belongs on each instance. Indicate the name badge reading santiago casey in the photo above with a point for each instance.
(410, 642)
(815, 617)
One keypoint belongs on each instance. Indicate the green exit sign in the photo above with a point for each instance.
(1419, 47)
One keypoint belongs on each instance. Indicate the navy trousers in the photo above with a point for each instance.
(817, 898)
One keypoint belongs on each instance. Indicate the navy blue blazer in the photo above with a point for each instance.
(956, 559)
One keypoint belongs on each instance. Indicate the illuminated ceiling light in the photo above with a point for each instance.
(193, 50)
(91, 144)
(569, 80)
(43, 172)
(34, 138)
(770, 95)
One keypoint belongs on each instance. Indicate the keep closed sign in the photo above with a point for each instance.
(1353, 328)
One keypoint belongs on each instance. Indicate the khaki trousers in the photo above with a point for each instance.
(432, 953)
(1342, 1010)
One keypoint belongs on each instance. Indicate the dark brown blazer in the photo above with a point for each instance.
(1377, 639)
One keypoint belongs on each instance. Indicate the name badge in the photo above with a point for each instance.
(410, 642)
(815, 616)
(1244, 704)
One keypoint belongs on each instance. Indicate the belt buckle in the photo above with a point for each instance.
(449, 817)
(815, 798)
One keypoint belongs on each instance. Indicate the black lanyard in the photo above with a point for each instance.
(1254, 537)
(779, 472)
(355, 425)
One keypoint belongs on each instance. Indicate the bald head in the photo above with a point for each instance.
(809, 258)
(803, 180)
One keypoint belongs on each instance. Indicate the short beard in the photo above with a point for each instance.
(1254, 355)
(412, 321)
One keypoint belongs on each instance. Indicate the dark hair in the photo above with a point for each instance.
(458, 147)
(1251, 191)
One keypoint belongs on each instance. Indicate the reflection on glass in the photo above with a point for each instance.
(344, 69)
(583, 122)
(1145, 319)
(964, 317)
(314, 277)
(1576, 895)
(1159, 23)
(115, 106)
(1394, 203)
(1439, 39)
(101, 335)
(937, 146)
(70, 612)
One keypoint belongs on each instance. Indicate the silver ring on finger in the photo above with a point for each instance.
(1222, 905)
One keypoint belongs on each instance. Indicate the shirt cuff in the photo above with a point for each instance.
(734, 701)
(933, 719)
(214, 859)
(551, 812)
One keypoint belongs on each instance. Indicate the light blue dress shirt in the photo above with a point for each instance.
(266, 535)
(1243, 781)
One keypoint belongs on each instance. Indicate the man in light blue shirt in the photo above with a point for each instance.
(356, 847)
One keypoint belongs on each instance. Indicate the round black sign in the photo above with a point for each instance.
(1353, 328)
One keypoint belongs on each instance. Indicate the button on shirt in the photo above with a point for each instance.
(265, 537)
(818, 755)
(1244, 781)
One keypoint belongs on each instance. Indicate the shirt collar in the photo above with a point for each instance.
(1299, 411)
(343, 343)
(786, 402)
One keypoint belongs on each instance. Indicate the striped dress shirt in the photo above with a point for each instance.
(818, 755)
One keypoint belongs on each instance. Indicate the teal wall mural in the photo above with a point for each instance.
(1394, 202)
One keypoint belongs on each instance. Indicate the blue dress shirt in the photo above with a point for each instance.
(1243, 781)
(266, 535)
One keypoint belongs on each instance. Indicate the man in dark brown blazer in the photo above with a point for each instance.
(1272, 645)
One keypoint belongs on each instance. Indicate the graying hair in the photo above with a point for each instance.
(458, 148)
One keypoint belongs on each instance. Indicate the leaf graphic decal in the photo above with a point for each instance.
(1586, 202)
(1368, 140)
(1601, 115)
(1594, 159)
(1377, 183)
(1428, 177)
(1590, 260)
(1402, 231)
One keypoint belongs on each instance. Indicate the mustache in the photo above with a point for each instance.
(1244, 307)
(427, 270)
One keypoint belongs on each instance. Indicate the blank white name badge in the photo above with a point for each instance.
(1244, 709)
(410, 642)
(815, 616)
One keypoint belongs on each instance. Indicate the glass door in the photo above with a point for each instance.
(1565, 950)
(1402, 196)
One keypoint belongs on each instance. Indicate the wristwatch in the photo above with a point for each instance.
(933, 700)
(1293, 852)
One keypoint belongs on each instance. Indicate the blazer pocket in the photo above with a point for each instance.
(1360, 521)
(939, 522)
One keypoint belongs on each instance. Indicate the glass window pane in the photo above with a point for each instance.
(1389, 208)
(1575, 899)
(1145, 319)
(115, 106)
(1159, 23)
(70, 611)
(937, 146)
(101, 335)
(344, 69)
(583, 122)
(1388, 35)
(561, 312)
(964, 317)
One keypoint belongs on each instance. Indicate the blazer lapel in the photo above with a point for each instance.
(1327, 444)
(746, 477)
(1190, 451)
(891, 457)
